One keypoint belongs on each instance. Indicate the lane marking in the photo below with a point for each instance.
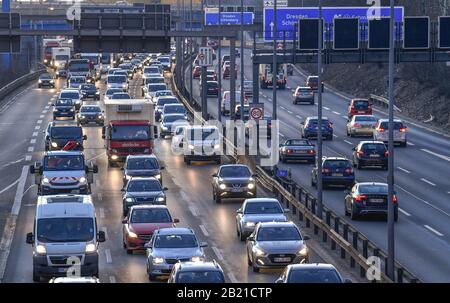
(326, 108)
(217, 252)
(41, 116)
(232, 277)
(31, 149)
(348, 142)
(404, 212)
(345, 117)
(28, 158)
(193, 210)
(436, 154)
(108, 256)
(39, 122)
(204, 231)
(100, 196)
(47, 107)
(112, 279)
(433, 230)
(9, 186)
(299, 117)
(32, 141)
(410, 143)
(336, 113)
(282, 135)
(427, 181)
(282, 108)
(37, 127)
(335, 136)
(105, 230)
(101, 212)
(34, 134)
(403, 170)
(289, 112)
(44, 111)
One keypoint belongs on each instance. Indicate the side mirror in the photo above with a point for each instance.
(165, 189)
(302, 123)
(101, 237)
(30, 238)
(286, 210)
(84, 137)
(251, 238)
(280, 145)
(95, 168)
(203, 244)
(122, 168)
(305, 238)
(239, 211)
(255, 175)
(215, 175)
(176, 220)
(180, 145)
(122, 189)
(346, 192)
(148, 245)
(32, 169)
(353, 148)
(125, 221)
(53, 104)
(162, 168)
(348, 281)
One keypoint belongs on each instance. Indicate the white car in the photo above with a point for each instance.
(150, 90)
(177, 137)
(117, 81)
(381, 132)
(73, 94)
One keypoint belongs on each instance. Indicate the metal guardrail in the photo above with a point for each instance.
(382, 101)
(10, 87)
(303, 204)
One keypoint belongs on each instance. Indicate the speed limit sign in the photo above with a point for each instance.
(256, 111)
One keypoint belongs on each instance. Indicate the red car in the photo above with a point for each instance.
(141, 222)
(359, 107)
(196, 72)
(313, 83)
(226, 73)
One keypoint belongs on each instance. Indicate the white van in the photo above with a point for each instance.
(65, 237)
(201, 143)
(226, 100)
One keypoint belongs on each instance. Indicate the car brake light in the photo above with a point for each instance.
(326, 170)
(289, 151)
(360, 153)
(360, 198)
(386, 153)
(330, 125)
(381, 130)
(356, 125)
(311, 151)
(311, 93)
(403, 130)
(349, 170)
(394, 199)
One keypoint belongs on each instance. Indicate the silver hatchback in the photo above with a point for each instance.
(361, 125)
(276, 245)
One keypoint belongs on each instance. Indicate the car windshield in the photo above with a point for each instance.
(337, 164)
(110, 92)
(212, 84)
(373, 189)
(63, 162)
(365, 119)
(397, 125)
(200, 277)
(157, 87)
(116, 96)
(173, 118)
(263, 208)
(151, 215)
(125, 66)
(64, 102)
(164, 101)
(164, 59)
(142, 163)
(62, 57)
(46, 77)
(65, 230)
(175, 241)
(77, 80)
(163, 93)
(235, 172)
(313, 276)
(79, 67)
(297, 142)
(361, 104)
(90, 109)
(371, 147)
(174, 109)
(203, 134)
(314, 122)
(130, 132)
(151, 70)
(281, 233)
(69, 95)
(117, 79)
(153, 80)
(313, 79)
(88, 87)
(66, 132)
(143, 186)
(92, 58)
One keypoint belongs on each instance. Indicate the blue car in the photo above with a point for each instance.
(336, 171)
(309, 129)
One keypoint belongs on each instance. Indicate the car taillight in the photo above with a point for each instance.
(360, 153)
(386, 153)
(356, 125)
(326, 170)
(297, 94)
(348, 170)
(290, 151)
(403, 130)
(269, 125)
(311, 151)
(330, 125)
(360, 198)
(381, 130)
(394, 199)
(311, 93)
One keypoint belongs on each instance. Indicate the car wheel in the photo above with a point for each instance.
(188, 162)
(152, 277)
(395, 216)
(353, 214)
(254, 268)
(36, 277)
(218, 199)
(347, 213)
(129, 251)
(249, 262)
(242, 237)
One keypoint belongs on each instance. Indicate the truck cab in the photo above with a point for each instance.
(266, 75)
(65, 237)
(62, 172)
(129, 128)
(60, 57)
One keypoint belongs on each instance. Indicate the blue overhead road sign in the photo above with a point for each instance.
(289, 16)
(228, 18)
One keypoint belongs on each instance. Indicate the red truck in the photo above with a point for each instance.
(129, 128)
(48, 45)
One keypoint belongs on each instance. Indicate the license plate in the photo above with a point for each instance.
(75, 191)
(300, 151)
(338, 175)
(282, 260)
(377, 200)
(374, 156)
(361, 112)
(236, 190)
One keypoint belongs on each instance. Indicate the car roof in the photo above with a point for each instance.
(152, 156)
(371, 183)
(316, 118)
(199, 266)
(311, 266)
(335, 158)
(277, 224)
(149, 206)
(370, 142)
(143, 179)
(175, 230)
(255, 200)
(64, 153)
(70, 90)
(387, 120)
(233, 165)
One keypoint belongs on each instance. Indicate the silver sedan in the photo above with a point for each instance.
(276, 245)
(361, 125)
(257, 210)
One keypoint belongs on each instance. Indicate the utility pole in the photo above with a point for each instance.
(204, 96)
(274, 65)
(242, 61)
(319, 114)
(391, 242)
(219, 67)
(191, 49)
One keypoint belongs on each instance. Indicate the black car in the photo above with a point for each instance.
(263, 127)
(233, 181)
(297, 149)
(369, 198)
(89, 91)
(142, 190)
(370, 153)
(335, 171)
(91, 114)
(141, 166)
(311, 273)
(60, 135)
(212, 88)
(63, 108)
(46, 80)
(61, 73)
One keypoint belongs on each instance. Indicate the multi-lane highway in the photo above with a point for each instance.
(189, 198)
(422, 178)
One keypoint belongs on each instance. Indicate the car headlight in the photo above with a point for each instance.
(77, 101)
(52, 81)
(160, 199)
(164, 127)
(222, 186)
(100, 116)
(82, 117)
(197, 259)
(129, 200)
(127, 177)
(158, 176)
(54, 144)
(114, 150)
(72, 110)
(217, 146)
(303, 251)
(40, 81)
(40, 250)
(109, 85)
(259, 252)
(250, 224)
(90, 248)
(251, 186)
(45, 60)
(124, 85)
(132, 234)
(97, 93)
(158, 260)
(190, 146)
(45, 181)
(82, 180)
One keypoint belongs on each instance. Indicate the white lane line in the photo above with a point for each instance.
(218, 253)
(47, 107)
(403, 170)
(34, 134)
(433, 230)
(9, 186)
(184, 196)
(112, 279)
(326, 108)
(289, 112)
(436, 154)
(204, 231)
(427, 181)
(410, 143)
(19, 193)
(334, 135)
(282, 135)
(31, 149)
(348, 142)
(193, 210)
(44, 111)
(345, 117)
(404, 212)
(41, 116)
(100, 196)
(37, 127)
(299, 117)
(232, 277)
(33, 141)
(101, 212)
(108, 256)
(282, 108)
(336, 113)
(28, 158)
(50, 102)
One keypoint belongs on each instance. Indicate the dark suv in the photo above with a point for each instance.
(89, 91)
(359, 107)
(233, 181)
(309, 128)
(313, 83)
(370, 153)
(335, 171)
(59, 135)
(63, 108)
